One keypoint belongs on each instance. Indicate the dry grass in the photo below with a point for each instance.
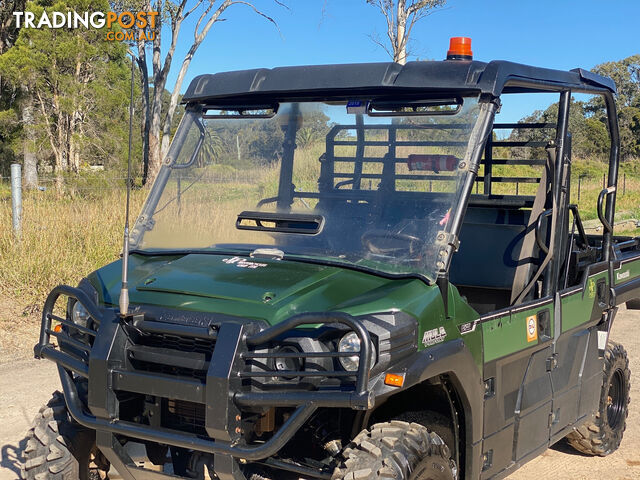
(63, 239)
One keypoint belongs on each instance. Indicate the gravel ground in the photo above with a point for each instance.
(26, 384)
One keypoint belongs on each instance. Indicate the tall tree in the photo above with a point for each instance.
(8, 29)
(18, 98)
(626, 74)
(401, 16)
(77, 81)
(171, 16)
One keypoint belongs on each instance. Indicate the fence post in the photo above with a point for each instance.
(579, 185)
(604, 184)
(16, 198)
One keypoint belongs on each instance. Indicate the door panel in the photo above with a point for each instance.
(565, 378)
(577, 374)
(534, 406)
(517, 346)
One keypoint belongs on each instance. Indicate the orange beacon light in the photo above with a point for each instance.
(460, 49)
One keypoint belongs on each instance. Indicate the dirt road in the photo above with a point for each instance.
(27, 384)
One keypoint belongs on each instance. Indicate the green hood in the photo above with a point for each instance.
(272, 290)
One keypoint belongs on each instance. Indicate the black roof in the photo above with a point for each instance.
(380, 79)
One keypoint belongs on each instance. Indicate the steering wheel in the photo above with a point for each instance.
(383, 242)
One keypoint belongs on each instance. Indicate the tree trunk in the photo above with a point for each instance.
(30, 162)
(74, 155)
(155, 153)
(173, 103)
(400, 48)
(144, 74)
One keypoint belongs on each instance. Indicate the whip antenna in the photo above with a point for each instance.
(124, 291)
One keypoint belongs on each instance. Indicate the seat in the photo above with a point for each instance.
(484, 267)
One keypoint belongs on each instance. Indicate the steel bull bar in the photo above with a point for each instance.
(99, 359)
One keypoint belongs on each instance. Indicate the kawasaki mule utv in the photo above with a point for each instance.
(330, 281)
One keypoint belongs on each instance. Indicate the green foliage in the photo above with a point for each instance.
(10, 127)
(306, 137)
(10, 130)
(78, 82)
(587, 120)
(626, 74)
(580, 127)
(8, 30)
(259, 142)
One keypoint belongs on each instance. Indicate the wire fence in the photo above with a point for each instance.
(89, 184)
(96, 184)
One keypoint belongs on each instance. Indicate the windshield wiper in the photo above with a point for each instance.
(280, 222)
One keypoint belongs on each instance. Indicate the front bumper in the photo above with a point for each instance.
(99, 354)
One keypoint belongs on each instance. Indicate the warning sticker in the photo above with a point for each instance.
(532, 329)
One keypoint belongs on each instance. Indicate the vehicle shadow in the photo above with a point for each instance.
(11, 457)
(563, 447)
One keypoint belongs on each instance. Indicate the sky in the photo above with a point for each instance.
(562, 34)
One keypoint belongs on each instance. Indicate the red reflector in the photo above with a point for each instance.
(432, 162)
(460, 49)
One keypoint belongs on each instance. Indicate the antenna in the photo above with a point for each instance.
(124, 291)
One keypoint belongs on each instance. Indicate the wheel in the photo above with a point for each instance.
(435, 422)
(398, 450)
(58, 448)
(603, 435)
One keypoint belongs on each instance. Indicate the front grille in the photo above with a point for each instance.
(184, 416)
(172, 355)
(152, 367)
(175, 342)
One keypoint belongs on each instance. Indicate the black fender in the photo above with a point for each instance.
(454, 360)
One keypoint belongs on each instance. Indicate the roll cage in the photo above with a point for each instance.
(385, 82)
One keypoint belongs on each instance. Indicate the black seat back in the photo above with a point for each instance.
(490, 244)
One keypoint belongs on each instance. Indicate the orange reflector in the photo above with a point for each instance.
(57, 328)
(460, 49)
(394, 380)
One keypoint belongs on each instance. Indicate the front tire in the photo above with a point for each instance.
(603, 434)
(57, 447)
(397, 450)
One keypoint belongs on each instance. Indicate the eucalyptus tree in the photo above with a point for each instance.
(154, 66)
(401, 16)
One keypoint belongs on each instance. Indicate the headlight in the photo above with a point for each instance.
(351, 343)
(79, 314)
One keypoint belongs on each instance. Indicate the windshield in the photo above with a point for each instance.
(353, 182)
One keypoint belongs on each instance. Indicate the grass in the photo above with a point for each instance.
(63, 238)
(67, 235)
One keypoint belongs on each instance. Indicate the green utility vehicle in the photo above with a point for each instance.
(331, 278)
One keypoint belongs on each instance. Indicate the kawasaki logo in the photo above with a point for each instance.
(622, 275)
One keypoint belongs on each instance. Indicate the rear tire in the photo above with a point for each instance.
(57, 447)
(603, 434)
(397, 450)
